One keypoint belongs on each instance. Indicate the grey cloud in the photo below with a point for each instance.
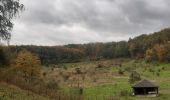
(146, 16)
(140, 12)
(90, 20)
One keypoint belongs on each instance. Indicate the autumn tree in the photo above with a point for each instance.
(8, 10)
(149, 55)
(167, 48)
(71, 54)
(160, 51)
(27, 65)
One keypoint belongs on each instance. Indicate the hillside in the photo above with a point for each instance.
(10, 92)
(110, 78)
(138, 47)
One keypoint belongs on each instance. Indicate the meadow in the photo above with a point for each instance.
(10, 92)
(109, 79)
(96, 80)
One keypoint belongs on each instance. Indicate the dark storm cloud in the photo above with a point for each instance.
(81, 21)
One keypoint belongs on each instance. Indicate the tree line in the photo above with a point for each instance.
(155, 46)
(76, 52)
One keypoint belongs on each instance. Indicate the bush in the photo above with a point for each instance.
(100, 65)
(163, 68)
(129, 69)
(124, 93)
(65, 76)
(151, 70)
(78, 71)
(44, 74)
(134, 76)
(159, 70)
(157, 74)
(52, 84)
(121, 71)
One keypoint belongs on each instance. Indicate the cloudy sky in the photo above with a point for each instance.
(57, 22)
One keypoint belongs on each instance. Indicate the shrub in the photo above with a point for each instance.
(65, 67)
(163, 68)
(100, 65)
(81, 91)
(129, 69)
(120, 71)
(52, 84)
(151, 70)
(44, 74)
(134, 76)
(78, 71)
(157, 74)
(65, 76)
(124, 93)
(159, 70)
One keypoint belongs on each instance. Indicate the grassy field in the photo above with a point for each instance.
(101, 80)
(10, 92)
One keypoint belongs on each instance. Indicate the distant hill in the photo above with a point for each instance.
(134, 48)
(140, 44)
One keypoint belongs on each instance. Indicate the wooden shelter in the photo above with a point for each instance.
(145, 88)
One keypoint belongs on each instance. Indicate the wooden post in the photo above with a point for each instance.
(144, 91)
(134, 91)
(59, 97)
(88, 98)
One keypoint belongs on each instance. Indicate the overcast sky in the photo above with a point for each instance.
(57, 22)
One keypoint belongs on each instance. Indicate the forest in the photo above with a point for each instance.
(155, 46)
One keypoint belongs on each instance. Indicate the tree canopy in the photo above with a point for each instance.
(154, 46)
(28, 65)
(8, 10)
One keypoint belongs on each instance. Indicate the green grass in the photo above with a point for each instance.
(9, 92)
(120, 83)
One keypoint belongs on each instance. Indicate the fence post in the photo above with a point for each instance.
(73, 97)
(59, 97)
(88, 98)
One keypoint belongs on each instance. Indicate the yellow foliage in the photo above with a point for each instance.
(149, 54)
(160, 51)
(27, 64)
